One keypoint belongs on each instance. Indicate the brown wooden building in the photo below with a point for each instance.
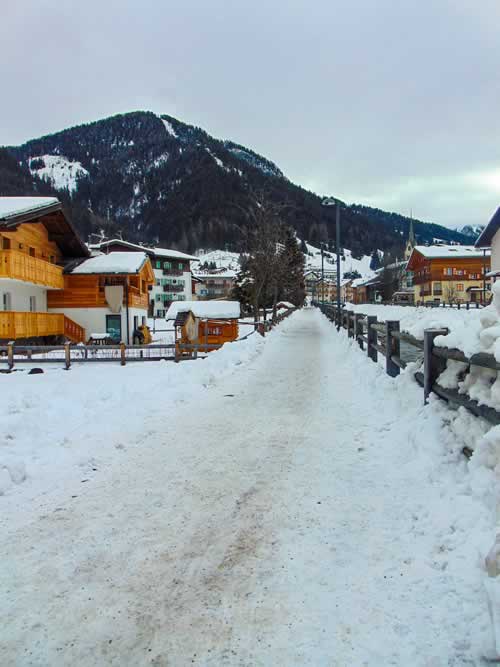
(449, 274)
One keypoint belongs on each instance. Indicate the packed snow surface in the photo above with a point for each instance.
(214, 308)
(113, 262)
(282, 502)
(62, 173)
(10, 206)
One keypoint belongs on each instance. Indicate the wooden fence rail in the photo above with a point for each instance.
(68, 354)
(386, 338)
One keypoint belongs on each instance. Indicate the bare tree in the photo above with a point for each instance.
(450, 292)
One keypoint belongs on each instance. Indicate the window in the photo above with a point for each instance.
(158, 282)
(7, 301)
(158, 264)
(32, 252)
(448, 272)
(181, 266)
(460, 287)
(167, 265)
(437, 288)
(32, 304)
(5, 243)
(52, 259)
(114, 327)
(136, 321)
(158, 297)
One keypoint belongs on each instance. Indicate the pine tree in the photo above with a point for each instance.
(375, 261)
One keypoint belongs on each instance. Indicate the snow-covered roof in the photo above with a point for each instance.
(357, 282)
(212, 309)
(157, 251)
(444, 251)
(113, 262)
(13, 206)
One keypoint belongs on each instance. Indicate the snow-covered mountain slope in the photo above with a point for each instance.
(348, 263)
(230, 260)
(157, 179)
(61, 173)
(222, 259)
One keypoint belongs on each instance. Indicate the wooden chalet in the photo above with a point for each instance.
(107, 293)
(36, 240)
(204, 323)
(449, 273)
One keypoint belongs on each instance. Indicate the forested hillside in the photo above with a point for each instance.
(157, 179)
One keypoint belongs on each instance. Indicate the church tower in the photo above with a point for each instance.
(411, 243)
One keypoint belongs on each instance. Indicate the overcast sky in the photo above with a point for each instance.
(392, 103)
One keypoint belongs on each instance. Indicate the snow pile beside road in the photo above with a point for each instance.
(414, 320)
(66, 424)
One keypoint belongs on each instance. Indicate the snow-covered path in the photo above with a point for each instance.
(293, 520)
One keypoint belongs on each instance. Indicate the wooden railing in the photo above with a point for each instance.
(385, 338)
(73, 331)
(21, 266)
(16, 324)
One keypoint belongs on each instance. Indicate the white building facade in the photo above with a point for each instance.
(172, 271)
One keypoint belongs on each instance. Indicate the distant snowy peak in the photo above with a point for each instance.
(61, 173)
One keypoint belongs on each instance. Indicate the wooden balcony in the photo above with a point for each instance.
(21, 266)
(15, 325)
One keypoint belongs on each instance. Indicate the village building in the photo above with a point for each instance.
(355, 291)
(490, 238)
(107, 293)
(203, 323)
(172, 273)
(449, 274)
(36, 241)
(215, 283)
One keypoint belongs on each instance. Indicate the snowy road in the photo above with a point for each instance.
(292, 520)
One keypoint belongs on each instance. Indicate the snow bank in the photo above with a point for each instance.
(61, 424)
(414, 320)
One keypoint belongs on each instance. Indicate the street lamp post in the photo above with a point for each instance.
(331, 201)
(322, 275)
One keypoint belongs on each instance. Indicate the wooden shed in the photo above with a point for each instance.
(203, 323)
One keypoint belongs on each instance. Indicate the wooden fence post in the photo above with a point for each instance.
(358, 329)
(10, 356)
(122, 354)
(372, 337)
(433, 366)
(392, 347)
(67, 356)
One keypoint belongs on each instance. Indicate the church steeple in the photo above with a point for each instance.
(411, 242)
(411, 237)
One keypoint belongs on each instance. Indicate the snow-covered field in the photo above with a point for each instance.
(282, 502)
(58, 424)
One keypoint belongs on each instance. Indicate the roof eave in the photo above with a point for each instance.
(25, 216)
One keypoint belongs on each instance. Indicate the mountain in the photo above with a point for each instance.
(154, 178)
